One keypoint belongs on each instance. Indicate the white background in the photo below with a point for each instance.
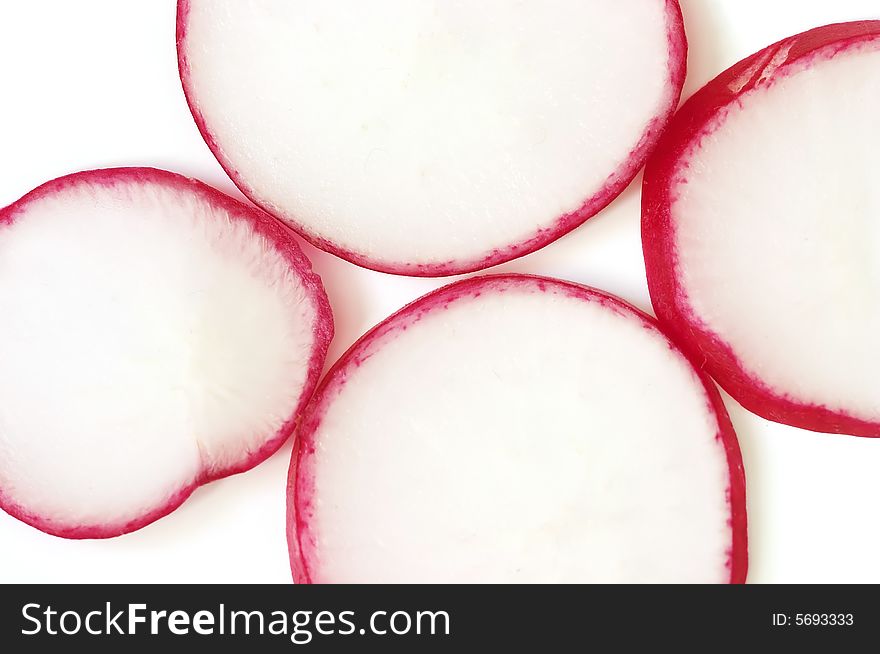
(93, 83)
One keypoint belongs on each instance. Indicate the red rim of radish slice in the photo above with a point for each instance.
(614, 185)
(264, 225)
(668, 297)
(301, 476)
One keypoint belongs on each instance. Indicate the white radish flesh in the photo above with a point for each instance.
(429, 138)
(762, 229)
(155, 335)
(516, 429)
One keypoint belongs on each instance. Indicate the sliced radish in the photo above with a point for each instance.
(516, 429)
(430, 138)
(761, 216)
(155, 335)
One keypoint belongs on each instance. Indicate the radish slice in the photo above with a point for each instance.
(155, 335)
(761, 216)
(516, 429)
(430, 138)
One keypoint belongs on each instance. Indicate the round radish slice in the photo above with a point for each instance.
(431, 138)
(516, 429)
(761, 212)
(155, 335)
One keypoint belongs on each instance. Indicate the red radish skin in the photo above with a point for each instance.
(616, 181)
(698, 118)
(301, 485)
(263, 225)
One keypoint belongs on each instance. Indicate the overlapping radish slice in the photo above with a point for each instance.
(761, 216)
(431, 138)
(155, 335)
(516, 429)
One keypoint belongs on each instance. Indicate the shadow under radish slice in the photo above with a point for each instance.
(761, 229)
(516, 429)
(155, 335)
(431, 138)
